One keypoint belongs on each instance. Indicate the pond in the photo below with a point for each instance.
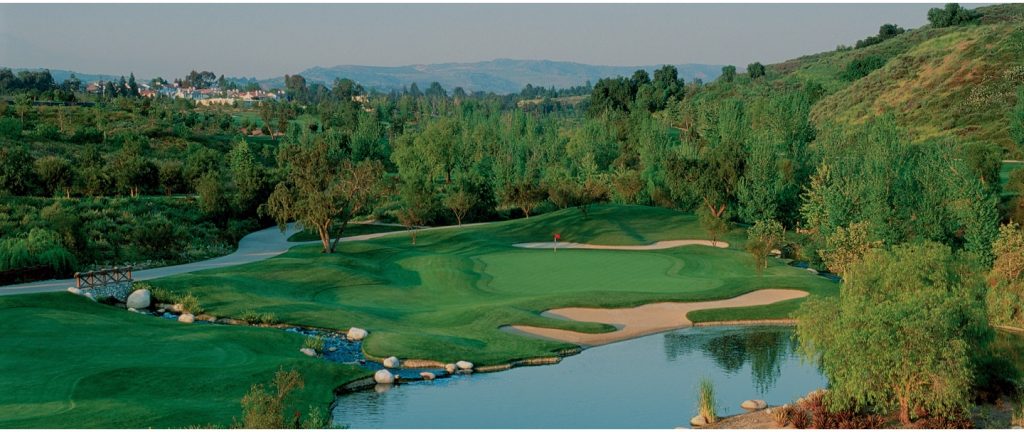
(649, 382)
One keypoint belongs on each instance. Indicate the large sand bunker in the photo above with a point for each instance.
(666, 244)
(646, 319)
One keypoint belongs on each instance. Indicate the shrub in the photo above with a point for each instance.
(860, 67)
(316, 419)
(10, 127)
(190, 303)
(158, 294)
(314, 342)
(706, 401)
(250, 316)
(268, 318)
(782, 415)
(801, 419)
(47, 131)
(952, 15)
(264, 408)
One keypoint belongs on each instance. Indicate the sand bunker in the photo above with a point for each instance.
(646, 319)
(667, 244)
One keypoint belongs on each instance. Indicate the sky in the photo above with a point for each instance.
(267, 40)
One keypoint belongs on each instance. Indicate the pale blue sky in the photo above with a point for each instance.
(265, 40)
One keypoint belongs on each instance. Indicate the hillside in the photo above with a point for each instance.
(938, 82)
(498, 76)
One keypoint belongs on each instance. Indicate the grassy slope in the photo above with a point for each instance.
(70, 362)
(446, 297)
(958, 81)
(351, 230)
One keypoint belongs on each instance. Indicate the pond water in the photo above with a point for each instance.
(649, 382)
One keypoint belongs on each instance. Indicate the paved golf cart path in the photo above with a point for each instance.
(665, 244)
(256, 246)
(646, 319)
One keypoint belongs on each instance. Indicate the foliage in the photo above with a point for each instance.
(952, 15)
(1006, 280)
(190, 303)
(846, 247)
(316, 343)
(862, 66)
(885, 32)
(904, 337)
(764, 236)
(755, 70)
(706, 403)
(1017, 121)
(266, 408)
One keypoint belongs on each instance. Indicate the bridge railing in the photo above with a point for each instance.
(112, 282)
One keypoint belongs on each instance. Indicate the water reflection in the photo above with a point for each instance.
(648, 382)
(764, 348)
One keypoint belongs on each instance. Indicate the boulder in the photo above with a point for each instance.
(383, 376)
(812, 271)
(308, 351)
(74, 291)
(356, 334)
(450, 368)
(698, 421)
(754, 405)
(464, 365)
(176, 308)
(89, 296)
(131, 309)
(392, 362)
(138, 299)
(187, 318)
(427, 375)
(332, 349)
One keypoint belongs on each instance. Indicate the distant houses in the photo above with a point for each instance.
(204, 96)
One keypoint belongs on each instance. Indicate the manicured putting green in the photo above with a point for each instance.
(446, 297)
(68, 362)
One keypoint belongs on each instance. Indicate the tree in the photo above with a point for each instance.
(264, 408)
(1017, 121)
(952, 15)
(713, 222)
(905, 335)
(846, 247)
(985, 159)
(130, 170)
(247, 176)
(212, 199)
(16, 175)
(460, 201)
(55, 174)
(322, 190)
(755, 70)
(418, 204)
(728, 73)
(1006, 280)
(171, 177)
(764, 236)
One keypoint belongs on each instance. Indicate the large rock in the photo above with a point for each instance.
(464, 365)
(427, 375)
(754, 404)
(89, 296)
(187, 318)
(309, 351)
(392, 362)
(383, 376)
(450, 368)
(356, 334)
(74, 291)
(698, 421)
(139, 299)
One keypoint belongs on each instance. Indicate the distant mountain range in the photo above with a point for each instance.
(498, 76)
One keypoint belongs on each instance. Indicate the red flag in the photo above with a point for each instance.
(558, 236)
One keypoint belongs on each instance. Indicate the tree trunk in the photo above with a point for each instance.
(413, 236)
(904, 412)
(334, 244)
(325, 237)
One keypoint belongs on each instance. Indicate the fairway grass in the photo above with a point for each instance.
(446, 297)
(69, 362)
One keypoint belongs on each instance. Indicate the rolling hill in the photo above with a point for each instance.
(498, 76)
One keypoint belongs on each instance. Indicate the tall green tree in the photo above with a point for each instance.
(905, 335)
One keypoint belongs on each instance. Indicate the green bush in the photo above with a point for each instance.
(10, 127)
(314, 342)
(190, 304)
(268, 318)
(250, 316)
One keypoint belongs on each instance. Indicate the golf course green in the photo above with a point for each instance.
(69, 362)
(446, 297)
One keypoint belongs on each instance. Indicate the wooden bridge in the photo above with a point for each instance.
(112, 282)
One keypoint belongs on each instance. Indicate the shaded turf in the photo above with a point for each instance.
(70, 362)
(446, 297)
(350, 230)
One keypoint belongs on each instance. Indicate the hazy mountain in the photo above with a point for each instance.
(499, 76)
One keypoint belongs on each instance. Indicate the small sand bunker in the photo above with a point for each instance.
(666, 244)
(646, 319)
